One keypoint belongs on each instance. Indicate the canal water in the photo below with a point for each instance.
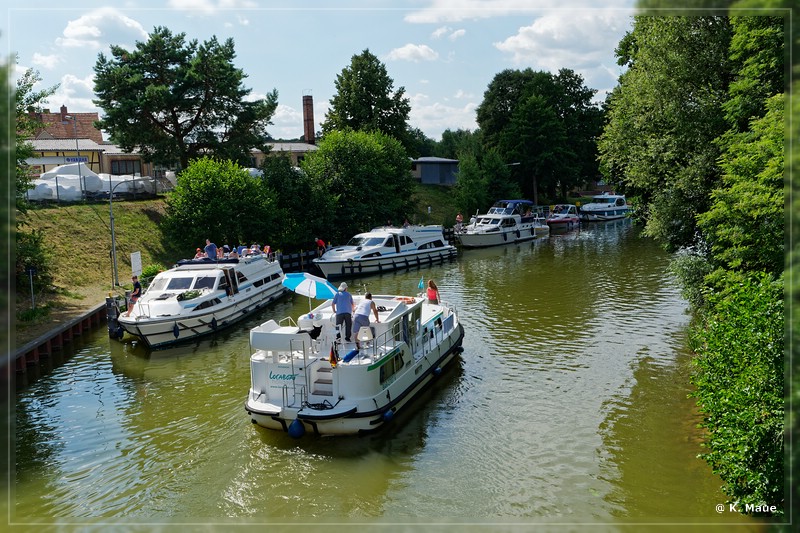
(569, 405)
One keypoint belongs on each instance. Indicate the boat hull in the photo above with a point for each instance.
(498, 238)
(606, 215)
(333, 269)
(368, 414)
(164, 332)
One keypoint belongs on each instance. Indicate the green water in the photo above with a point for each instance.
(568, 406)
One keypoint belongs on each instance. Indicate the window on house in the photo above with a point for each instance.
(123, 167)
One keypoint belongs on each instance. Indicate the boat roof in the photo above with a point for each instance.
(429, 230)
(506, 203)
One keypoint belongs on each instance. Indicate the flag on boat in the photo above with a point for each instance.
(421, 283)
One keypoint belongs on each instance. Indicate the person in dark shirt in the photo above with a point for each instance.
(137, 292)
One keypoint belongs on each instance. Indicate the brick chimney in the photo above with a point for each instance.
(64, 113)
(308, 119)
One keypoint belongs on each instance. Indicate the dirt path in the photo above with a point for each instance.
(62, 310)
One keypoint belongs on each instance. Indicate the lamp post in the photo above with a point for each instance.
(77, 150)
(111, 217)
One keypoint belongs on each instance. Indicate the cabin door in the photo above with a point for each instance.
(396, 240)
(231, 280)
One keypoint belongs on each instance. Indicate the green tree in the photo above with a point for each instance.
(302, 205)
(175, 100)
(30, 251)
(220, 201)
(663, 118)
(366, 175)
(547, 123)
(470, 190)
(745, 224)
(365, 100)
(456, 143)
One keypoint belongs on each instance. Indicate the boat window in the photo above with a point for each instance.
(207, 304)
(158, 284)
(240, 277)
(390, 368)
(620, 201)
(274, 276)
(204, 282)
(179, 284)
(258, 283)
(433, 244)
(508, 223)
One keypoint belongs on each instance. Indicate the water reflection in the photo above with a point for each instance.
(568, 404)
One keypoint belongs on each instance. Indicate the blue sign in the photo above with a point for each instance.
(77, 159)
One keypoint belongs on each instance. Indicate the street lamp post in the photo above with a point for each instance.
(111, 217)
(77, 151)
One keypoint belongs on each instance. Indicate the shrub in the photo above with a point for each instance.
(740, 389)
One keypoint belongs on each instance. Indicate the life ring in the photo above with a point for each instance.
(406, 299)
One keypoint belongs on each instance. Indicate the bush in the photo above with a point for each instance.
(740, 389)
(32, 253)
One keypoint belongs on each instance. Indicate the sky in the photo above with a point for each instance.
(444, 53)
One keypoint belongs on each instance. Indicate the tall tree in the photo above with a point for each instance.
(366, 100)
(174, 100)
(367, 175)
(664, 117)
(547, 123)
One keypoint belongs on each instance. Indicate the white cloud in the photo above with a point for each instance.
(456, 10)
(46, 61)
(100, 27)
(435, 117)
(457, 34)
(440, 31)
(565, 39)
(210, 7)
(75, 93)
(413, 52)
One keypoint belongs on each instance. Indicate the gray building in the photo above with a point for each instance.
(435, 170)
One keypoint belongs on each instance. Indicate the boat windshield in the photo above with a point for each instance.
(204, 282)
(365, 241)
(602, 200)
(489, 221)
(179, 284)
(158, 284)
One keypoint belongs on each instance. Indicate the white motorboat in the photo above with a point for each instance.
(507, 221)
(563, 216)
(385, 249)
(605, 207)
(199, 297)
(304, 379)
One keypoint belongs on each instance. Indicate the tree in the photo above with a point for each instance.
(365, 100)
(470, 189)
(366, 175)
(302, 204)
(30, 251)
(546, 123)
(175, 101)
(454, 144)
(745, 223)
(663, 119)
(27, 100)
(220, 201)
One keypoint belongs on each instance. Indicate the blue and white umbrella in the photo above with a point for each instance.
(309, 285)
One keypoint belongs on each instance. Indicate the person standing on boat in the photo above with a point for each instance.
(320, 246)
(361, 314)
(433, 292)
(459, 222)
(343, 309)
(211, 250)
(137, 292)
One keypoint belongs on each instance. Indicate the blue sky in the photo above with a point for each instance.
(443, 52)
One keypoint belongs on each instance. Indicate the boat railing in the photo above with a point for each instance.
(377, 347)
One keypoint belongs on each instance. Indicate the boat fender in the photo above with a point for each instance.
(176, 330)
(296, 429)
(214, 323)
(517, 234)
(350, 355)
(388, 415)
(505, 236)
(437, 371)
(120, 332)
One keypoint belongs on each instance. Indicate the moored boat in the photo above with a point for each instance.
(563, 216)
(605, 207)
(507, 221)
(305, 379)
(385, 249)
(199, 297)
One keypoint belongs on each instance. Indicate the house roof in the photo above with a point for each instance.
(438, 160)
